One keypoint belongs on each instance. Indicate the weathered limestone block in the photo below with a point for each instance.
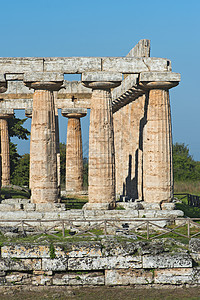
(42, 280)
(8, 264)
(194, 245)
(56, 264)
(86, 279)
(168, 206)
(93, 278)
(127, 277)
(25, 251)
(101, 139)
(84, 250)
(5, 151)
(7, 207)
(74, 153)
(43, 155)
(164, 261)
(169, 213)
(119, 262)
(50, 207)
(30, 207)
(113, 248)
(175, 276)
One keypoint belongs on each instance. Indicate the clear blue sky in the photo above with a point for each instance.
(112, 28)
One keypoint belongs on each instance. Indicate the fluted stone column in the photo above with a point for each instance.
(74, 152)
(157, 144)
(101, 141)
(5, 150)
(43, 160)
(3, 88)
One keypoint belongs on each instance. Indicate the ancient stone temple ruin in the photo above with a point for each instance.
(130, 138)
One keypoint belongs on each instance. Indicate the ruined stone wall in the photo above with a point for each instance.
(100, 263)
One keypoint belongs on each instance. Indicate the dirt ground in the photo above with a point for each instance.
(98, 293)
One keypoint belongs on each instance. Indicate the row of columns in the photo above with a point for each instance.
(157, 143)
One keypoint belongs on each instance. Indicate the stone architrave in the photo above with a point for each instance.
(5, 150)
(43, 160)
(74, 152)
(157, 143)
(101, 188)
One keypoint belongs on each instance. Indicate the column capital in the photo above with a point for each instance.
(28, 113)
(6, 114)
(44, 80)
(74, 112)
(158, 80)
(101, 80)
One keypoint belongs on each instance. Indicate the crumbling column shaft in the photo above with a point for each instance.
(74, 156)
(43, 166)
(101, 149)
(157, 147)
(5, 152)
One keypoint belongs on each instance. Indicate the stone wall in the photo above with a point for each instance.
(108, 262)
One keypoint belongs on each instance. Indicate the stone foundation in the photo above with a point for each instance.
(96, 263)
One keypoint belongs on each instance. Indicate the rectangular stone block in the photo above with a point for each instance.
(13, 215)
(72, 64)
(84, 251)
(25, 252)
(169, 213)
(7, 264)
(127, 277)
(167, 261)
(160, 76)
(101, 76)
(194, 245)
(7, 207)
(29, 206)
(104, 263)
(174, 276)
(43, 76)
(41, 280)
(147, 213)
(86, 279)
(134, 65)
(56, 264)
(93, 278)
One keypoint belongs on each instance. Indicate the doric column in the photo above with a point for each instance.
(157, 138)
(43, 160)
(28, 114)
(101, 140)
(5, 150)
(74, 152)
(3, 88)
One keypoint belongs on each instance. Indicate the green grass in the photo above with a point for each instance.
(190, 187)
(12, 193)
(74, 202)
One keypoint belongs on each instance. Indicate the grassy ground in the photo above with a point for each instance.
(74, 201)
(190, 187)
(100, 293)
(12, 193)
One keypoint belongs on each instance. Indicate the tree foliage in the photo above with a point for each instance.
(16, 129)
(62, 162)
(185, 167)
(20, 176)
